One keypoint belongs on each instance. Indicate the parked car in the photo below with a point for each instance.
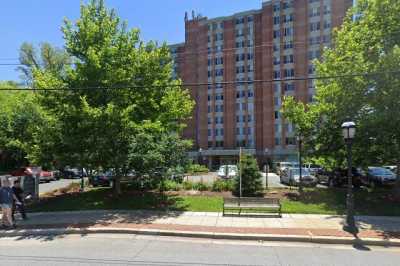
(281, 166)
(338, 177)
(227, 171)
(313, 168)
(291, 176)
(392, 168)
(379, 176)
(72, 173)
(102, 179)
(44, 176)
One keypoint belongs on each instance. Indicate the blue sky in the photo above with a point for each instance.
(40, 20)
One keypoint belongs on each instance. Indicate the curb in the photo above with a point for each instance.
(210, 235)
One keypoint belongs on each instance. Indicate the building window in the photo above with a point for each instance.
(326, 38)
(221, 25)
(276, 61)
(250, 56)
(290, 141)
(276, 47)
(240, 69)
(277, 33)
(249, 19)
(276, 101)
(311, 69)
(250, 68)
(276, 20)
(250, 94)
(289, 86)
(240, 57)
(209, 132)
(287, 4)
(277, 74)
(219, 72)
(239, 33)
(288, 31)
(239, 21)
(288, 73)
(314, 12)
(208, 38)
(327, 24)
(209, 73)
(327, 9)
(219, 60)
(313, 54)
(277, 115)
(249, 118)
(314, 26)
(314, 40)
(276, 7)
(277, 141)
(287, 18)
(288, 45)
(209, 97)
(287, 59)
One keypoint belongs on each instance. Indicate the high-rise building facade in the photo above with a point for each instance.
(239, 68)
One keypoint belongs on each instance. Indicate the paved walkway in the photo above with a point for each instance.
(289, 225)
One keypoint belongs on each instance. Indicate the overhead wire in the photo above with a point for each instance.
(201, 84)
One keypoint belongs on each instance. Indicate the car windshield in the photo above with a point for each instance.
(380, 171)
(304, 171)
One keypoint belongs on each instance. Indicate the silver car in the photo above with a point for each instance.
(291, 176)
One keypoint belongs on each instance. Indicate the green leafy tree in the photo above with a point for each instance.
(368, 45)
(251, 177)
(47, 57)
(20, 118)
(120, 99)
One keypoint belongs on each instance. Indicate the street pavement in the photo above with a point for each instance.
(47, 187)
(116, 249)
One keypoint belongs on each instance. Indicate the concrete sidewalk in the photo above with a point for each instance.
(294, 227)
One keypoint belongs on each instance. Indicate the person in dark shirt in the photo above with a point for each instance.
(7, 198)
(19, 194)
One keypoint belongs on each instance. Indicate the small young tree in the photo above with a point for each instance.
(251, 177)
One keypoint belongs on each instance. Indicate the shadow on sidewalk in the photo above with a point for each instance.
(130, 208)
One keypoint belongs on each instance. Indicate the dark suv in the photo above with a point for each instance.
(338, 177)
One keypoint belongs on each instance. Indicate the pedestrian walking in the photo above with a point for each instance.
(6, 199)
(20, 205)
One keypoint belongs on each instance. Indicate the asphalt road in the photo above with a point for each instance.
(47, 187)
(148, 250)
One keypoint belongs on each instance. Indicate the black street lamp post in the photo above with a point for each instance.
(300, 142)
(349, 130)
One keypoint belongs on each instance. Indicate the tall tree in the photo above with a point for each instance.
(368, 45)
(20, 118)
(47, 58)
(118, 89)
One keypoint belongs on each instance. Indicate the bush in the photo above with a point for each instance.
(251, 178)
(196, 169)
(187, 185)
(201, 187)
(223, 185)
(170, 185)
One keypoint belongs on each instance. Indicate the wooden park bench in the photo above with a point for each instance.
(255, 204)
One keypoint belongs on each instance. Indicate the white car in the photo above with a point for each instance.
(227, 171)
(281, 166)
(292, 177)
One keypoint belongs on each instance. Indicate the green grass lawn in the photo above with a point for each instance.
(314, 201)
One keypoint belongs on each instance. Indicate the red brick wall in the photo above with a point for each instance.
(229, 89)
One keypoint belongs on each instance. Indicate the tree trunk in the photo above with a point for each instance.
(117, 185)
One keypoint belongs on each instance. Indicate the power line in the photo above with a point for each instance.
(205, 84)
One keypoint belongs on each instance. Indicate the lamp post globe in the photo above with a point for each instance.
(349, 131)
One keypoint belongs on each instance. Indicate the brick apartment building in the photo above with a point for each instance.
(236, 59)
